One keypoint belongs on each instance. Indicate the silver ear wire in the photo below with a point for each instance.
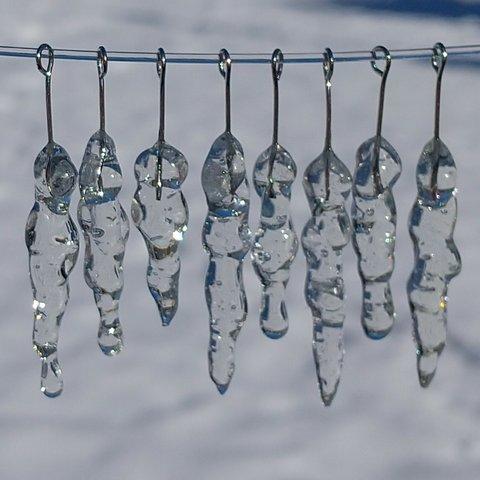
(277, 68)
(47, 72)
(161, 71)
(439, 60)
(102, 68)
(225, 68)
(328, 65)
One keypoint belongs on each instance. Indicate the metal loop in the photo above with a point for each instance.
(277, 63)
(45, 71)
(439, 57)
(328, 63)
(161, 62)
(102, 62)
(224, 63)
(386, 57)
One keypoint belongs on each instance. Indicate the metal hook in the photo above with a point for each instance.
(161, 71)
(277, 64)
(47, 72)
(277, 68)
(102, 68)
(386, 57)
(225, 68)
(383, 73)
(102, 62)
(439, 59)
(328, 64)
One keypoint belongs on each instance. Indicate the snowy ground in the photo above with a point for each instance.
(153, 412)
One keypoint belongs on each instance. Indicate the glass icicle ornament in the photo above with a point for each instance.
(431, 225)
(227, 239)
(374, 217)
(52, 241)
(160, 212)
(275, 243)
(327, 183)
(104, 223)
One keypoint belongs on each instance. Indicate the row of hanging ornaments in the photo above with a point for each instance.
(159, 211)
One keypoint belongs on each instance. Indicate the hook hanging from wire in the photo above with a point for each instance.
(102, 68)
(225, 68)
(47, 72)
(386, 56)
(328, 65)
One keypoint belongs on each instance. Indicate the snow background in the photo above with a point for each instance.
(153, 412)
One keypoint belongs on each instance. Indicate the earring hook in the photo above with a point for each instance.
(161, 71)
(47, 72)
(385, 56)
(439, 60)
(102, 68)
(277, 69)
(328, 65)
(225, 68)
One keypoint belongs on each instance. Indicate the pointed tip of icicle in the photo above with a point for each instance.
(166, 314)
(426, 368)
(327, 399)
(222, 387)
(166, 317)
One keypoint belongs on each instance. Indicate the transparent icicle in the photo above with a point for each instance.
(431, 225)
(105, 228)
(275, 243)
(227, 239)
(52, 242)
(160, 212)
(327, 183)
(374, 218)
(437, 260)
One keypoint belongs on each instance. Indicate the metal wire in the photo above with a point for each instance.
(248, 58)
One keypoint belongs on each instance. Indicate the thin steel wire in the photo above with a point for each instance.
(241, 57)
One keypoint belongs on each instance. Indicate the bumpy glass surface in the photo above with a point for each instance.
(160, 213)
(52, 241)
(374, 218)
(275, 243)
(437, 260)
(327, 183)
(105, 228)
(227, 239)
